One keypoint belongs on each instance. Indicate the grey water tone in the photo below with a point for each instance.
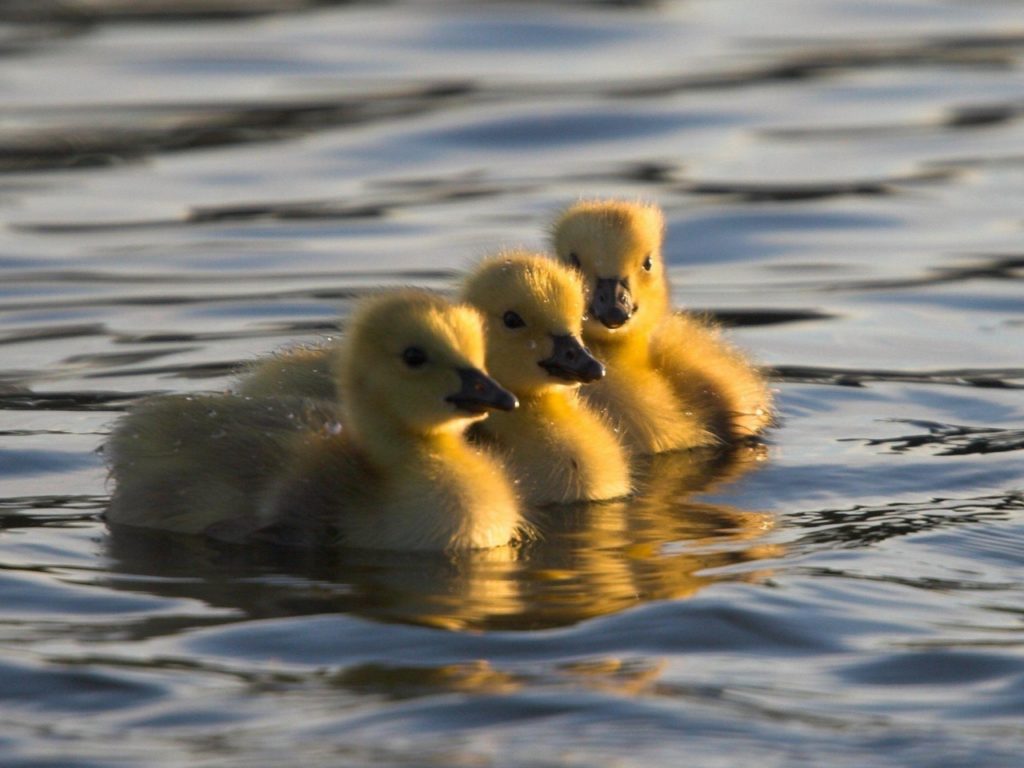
(185, 186)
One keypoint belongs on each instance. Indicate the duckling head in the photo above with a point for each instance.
(533, 313)
(413, 361)
(616, 247)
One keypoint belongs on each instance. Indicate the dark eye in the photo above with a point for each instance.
(414, 357)
(574, 259)
(648, 264)
(512, 320)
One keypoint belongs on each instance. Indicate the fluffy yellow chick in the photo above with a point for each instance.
(560, 450)
(396, 473)
(672, 382)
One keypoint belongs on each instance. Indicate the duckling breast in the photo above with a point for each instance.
(455, 498)
(560, 451)
(646, 412)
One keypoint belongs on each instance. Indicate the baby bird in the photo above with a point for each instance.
(396, 473)
(560, 450)
(672, 382)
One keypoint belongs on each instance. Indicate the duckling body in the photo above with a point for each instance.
(556, 446)
(474, 506)
(185, 463)
(299, 372)
(691, 350)
(653, 412)
(561, 451)
(672, 382)
(396, 472)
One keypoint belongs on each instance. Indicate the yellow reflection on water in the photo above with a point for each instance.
(607, 674)
(588, 560)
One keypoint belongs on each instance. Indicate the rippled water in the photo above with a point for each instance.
(185, 186)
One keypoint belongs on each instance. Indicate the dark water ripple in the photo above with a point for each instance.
(185, 186)
(862, 525)
(795, 192)
(85, 137)
(68, 401)
(989, 267)
(149, 130)
(1000, 379)
(30, 11)
(955, 440)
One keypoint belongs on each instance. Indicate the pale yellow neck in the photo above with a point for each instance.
(623, 349)
(553, 403)
(386, 441)
(559, 449)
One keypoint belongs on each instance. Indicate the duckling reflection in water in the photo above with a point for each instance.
(589, 560)
(397, 473)
(557, 447)
(560, 450)
(672, 382)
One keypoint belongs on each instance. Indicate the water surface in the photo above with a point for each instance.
(186, 186)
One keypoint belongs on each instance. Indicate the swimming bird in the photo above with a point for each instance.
(672, 382)
(388, 468)
(556, 446)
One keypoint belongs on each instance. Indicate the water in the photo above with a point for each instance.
(186, 186)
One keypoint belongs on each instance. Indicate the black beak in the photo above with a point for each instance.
(612, 303)
(480, 393)
(571, 361)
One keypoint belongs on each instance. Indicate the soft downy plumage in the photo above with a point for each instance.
(673, 382)
(559, 449)
(389, 467)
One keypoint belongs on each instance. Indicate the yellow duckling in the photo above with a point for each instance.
(396, 473)
(560, 449)
(672, 381)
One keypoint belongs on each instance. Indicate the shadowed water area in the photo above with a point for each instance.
(185, 186)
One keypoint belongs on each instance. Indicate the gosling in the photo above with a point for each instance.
(557, 447)
(672, 382)
(392, 469)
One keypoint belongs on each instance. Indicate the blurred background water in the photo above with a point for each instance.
(187, 185)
